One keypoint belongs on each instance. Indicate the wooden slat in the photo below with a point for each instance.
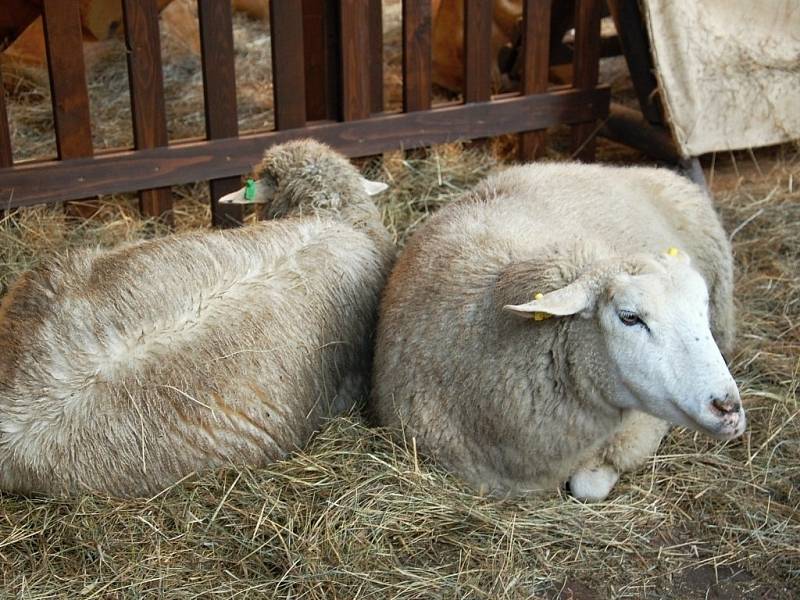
(53, 181)
(376, 55)
(585, 67)
(64, 41)
(6, 156)
(535, 66)
(322, 57)
(355, 43)
(636, 48)
(628, 126)
(146, 80)
(219, 95)
(288, 81)
(477, 50)
(417, 27)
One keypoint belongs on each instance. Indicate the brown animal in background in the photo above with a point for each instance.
(123, 371)
(23, 28)
(448, 39)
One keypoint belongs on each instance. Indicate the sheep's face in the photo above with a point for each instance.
(656, 329)
(302, 177)
(653, 317)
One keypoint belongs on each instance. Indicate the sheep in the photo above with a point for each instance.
(125, 371)
(548, 327)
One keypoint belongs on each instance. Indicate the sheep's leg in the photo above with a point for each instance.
(593, 482)
(635, 441)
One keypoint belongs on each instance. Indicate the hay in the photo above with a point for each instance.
(355, 515)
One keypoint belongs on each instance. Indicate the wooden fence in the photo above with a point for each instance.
(328, 82)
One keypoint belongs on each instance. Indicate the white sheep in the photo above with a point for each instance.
(124, 371)
(610, 270)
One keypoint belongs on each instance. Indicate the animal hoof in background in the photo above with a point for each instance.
(593, 484)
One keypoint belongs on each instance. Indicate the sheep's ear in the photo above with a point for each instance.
(373, 187)
(257, 192)
(674, 253)
(572, 299)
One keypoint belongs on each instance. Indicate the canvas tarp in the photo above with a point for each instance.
(728, 71)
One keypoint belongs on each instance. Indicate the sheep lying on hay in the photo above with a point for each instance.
(126, 370)
(621, 277)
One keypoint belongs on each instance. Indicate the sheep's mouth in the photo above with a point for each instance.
(714, 422)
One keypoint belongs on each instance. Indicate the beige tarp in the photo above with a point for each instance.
(729, 70)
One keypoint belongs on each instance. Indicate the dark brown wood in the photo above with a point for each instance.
(477, 50)
(355, 39)
(15, 16)
(636, 48)
(286, 26)
(322, 57)
(535, 67)
(629, 127)
(417, 27)
(64, 41)
(6, 156)
(585, 68)
(146, 81)
(116, 172)
(219, 95)
(376, 55)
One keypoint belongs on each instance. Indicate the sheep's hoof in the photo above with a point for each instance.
(592, 484)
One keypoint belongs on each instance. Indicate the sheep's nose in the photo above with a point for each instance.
(727, 404)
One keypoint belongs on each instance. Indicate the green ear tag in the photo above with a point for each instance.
(250, 190)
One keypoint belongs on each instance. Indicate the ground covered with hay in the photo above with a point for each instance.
(356, 515)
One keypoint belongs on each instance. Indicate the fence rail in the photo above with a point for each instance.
(327, 82)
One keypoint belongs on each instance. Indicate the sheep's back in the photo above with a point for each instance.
(131, 368)
(583, 211)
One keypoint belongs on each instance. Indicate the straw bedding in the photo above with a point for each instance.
(355, 515)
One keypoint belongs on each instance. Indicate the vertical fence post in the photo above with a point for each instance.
(321, 52)
(6, 157)
(477, 50)
(585, 67)
(376, 55)
(417, 27)
(68, 90)
(70, 96)
(146, 80)
(219, 96)
(355, 44)
(535, 67)
(288, 80)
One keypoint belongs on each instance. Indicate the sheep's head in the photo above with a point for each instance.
(304, 177)
(652, 314)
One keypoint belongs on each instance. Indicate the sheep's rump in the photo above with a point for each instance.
(129, 369)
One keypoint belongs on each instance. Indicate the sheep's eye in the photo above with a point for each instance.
(630, 318)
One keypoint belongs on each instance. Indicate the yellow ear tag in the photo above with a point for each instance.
(672, 251)
(540, 316)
